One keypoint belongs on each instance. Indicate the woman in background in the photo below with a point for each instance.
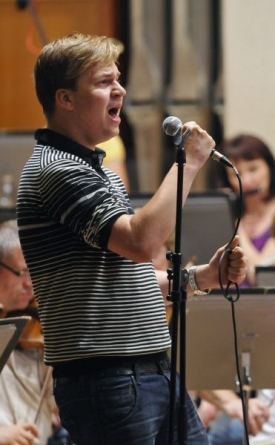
(256, 166)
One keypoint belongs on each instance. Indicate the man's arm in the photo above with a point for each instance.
(230, 403)
(233, 269)
(139, 237)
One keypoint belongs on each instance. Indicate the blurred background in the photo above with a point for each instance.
(212, 61)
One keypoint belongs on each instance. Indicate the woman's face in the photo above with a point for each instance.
(254, 174)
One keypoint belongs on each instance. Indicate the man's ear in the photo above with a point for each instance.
(63, 99)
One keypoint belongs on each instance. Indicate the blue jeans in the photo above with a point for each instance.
(122, 410)
(226, 431)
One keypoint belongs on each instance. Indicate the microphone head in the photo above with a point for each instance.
(252, 192)
(172, 125)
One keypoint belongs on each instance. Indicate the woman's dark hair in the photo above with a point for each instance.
(246, 147)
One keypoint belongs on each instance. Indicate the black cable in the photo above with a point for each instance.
(238, 372)
(37, 22)
(233, 300)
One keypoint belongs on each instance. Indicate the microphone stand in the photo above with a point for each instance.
(178, 297)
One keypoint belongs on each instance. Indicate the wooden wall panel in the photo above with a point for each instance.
(21, 41)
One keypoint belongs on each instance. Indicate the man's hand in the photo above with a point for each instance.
(207, 412)
(234, 267)
(258, 413)
(198, 145)
(23, 434)
(228, 402)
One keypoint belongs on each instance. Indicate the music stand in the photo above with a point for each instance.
(210, 347)
(203, 215)
(10, 331)
(7, 213)
(265, 275)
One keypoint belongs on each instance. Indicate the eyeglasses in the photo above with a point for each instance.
(18, 273)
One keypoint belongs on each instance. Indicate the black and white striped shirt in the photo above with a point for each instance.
(92, 302)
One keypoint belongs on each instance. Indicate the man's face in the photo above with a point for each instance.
(15, 291)
(96, 105)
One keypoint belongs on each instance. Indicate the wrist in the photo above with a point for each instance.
(193, 284)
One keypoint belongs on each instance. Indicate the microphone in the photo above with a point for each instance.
(252, 192)
(172, 126)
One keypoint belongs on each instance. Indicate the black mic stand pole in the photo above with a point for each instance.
(178, 297)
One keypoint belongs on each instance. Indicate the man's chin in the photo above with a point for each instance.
(24, 304)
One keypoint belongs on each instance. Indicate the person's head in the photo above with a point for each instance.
(16, 289)
(255, 164)
(76, 77)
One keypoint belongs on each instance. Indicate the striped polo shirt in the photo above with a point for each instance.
(92, 302)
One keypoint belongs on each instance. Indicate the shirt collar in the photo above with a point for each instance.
(60, 142)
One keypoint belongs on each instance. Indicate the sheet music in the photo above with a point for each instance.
(6, 334)
(10, 331)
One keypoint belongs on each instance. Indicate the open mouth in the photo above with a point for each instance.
(114, 112)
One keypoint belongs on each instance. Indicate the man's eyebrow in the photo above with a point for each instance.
(110, 73)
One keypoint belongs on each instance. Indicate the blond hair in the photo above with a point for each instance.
(62, 61)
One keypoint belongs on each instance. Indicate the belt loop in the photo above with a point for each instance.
(136, 373)
(163, 365)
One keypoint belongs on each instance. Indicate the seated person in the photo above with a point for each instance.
(115, 158)
(22, 378)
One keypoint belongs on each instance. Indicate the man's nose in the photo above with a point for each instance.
(27, 280)
(119, 90)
